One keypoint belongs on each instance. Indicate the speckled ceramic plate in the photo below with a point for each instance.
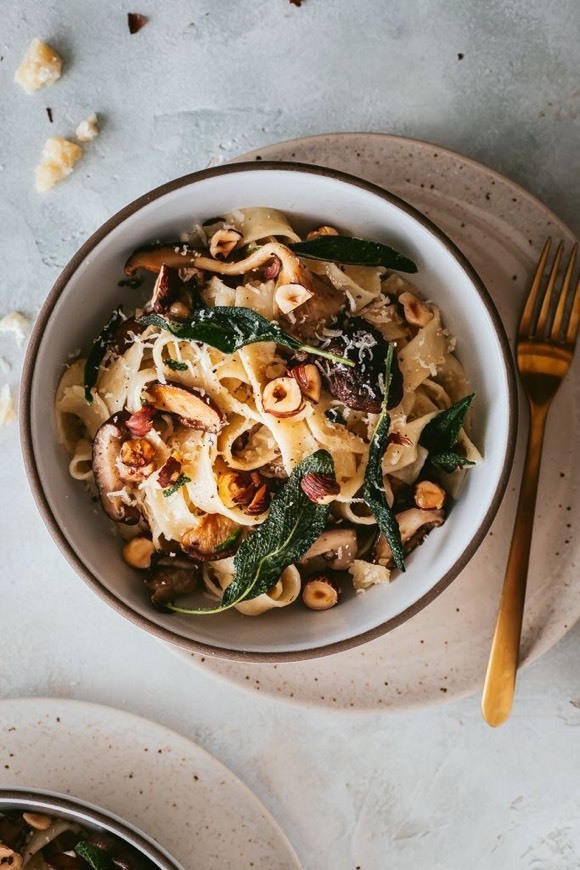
(441, 653)
(148, 775)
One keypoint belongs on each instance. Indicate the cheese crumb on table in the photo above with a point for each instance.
(40, 67)
(89, 129)
(7, 412)
(17, 324)
(58, 159)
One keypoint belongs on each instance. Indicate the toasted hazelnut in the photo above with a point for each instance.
(260, 502)
(238, 488)
(322, 231)
(179, 311)
(137, 452)
(416, 312)
(320, 488)
(320, 593)
(38, 821)
(223, 242)
(309, 380)
(138, 553)
(141, 422)
(290, 296)
(282, 397)
(9, 859)
(215, 537)
(429, 496)
(169, 472)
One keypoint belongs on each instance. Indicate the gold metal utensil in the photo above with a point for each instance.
(545, 347)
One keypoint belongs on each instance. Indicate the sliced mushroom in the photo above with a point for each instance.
(414, 525)
(107, 445)
(166, 289)
(216, 537)
(335, 548)
(195, 409)
(124, 335)
(168, 583)
(361, 387)
(325, 303)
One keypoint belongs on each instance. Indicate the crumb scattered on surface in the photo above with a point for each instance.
(40, 67)
(89, 129)
(58, 159)
(136, 21)
(7, 412)
(17, 324)
(296, 2)
(49, 113)
(460, 55)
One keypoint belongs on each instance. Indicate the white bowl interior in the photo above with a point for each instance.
(92, 293)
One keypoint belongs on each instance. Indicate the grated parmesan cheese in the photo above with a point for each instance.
(40, 67)
(17, 324)
(7, 412)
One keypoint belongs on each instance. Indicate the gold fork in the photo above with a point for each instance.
(545, 347)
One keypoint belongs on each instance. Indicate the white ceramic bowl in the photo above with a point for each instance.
(86, 293)
(90, 817)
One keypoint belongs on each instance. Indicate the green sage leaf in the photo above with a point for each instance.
(176, 365)
(229, 328)
(181, 481)
(374, 490)
(353, 252)
(95, 857)
(449, 461)
(441, 433)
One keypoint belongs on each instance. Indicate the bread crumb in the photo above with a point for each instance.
(89, 129)
(17, 324)
(58, 159)
(40, 67)
(7, 412)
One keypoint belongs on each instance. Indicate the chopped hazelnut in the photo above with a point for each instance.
(320, 488)
(38, 821)
(138, 553)
(309, 380)
(238, 488)
(322, 231)
(416, 312)
(137, 452)
(290, 296)
(320, 593)
(282, 397)
(429, 496)
(9, 859)
(260, 502)
(215, 537)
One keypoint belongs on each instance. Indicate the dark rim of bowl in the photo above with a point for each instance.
(167, 634)
(87, 814)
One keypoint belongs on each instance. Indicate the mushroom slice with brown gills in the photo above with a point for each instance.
(335, 548)
(216, 537)
(166, 289)
(361, 387)
(168, 583)
(195, 409)
(107, 444)
(414, 525)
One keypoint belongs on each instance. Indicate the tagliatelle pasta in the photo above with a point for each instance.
(187, 444)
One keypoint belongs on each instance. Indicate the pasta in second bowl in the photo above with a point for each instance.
(279, 417)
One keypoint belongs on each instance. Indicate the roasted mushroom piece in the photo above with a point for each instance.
(414, 525)
(361, 387)
(215, 537)
(168, 583)
(335, 548)
(195, 409)
(107, 445)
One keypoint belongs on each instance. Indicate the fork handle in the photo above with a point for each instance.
(500, 679)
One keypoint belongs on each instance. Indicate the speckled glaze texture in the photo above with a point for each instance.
(442, 652)
(163, 784)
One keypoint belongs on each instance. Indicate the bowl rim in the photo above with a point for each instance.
(25, 416)
(55, 803)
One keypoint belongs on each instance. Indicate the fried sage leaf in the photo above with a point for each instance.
(374, 490)
(229, 328)
(441, 433)
(353, 252)
(98, 351)
(95, 857)
(449, 461)
(292, 526)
